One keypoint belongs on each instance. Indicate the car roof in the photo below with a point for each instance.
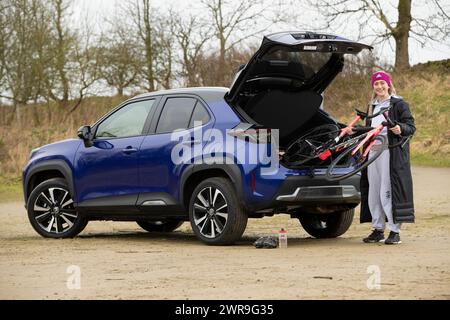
(208, 94)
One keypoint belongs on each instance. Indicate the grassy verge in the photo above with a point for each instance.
(10, 189)
(430, 160)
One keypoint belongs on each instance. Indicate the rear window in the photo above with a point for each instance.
(176, 114)
(301, 64)
(200, 116)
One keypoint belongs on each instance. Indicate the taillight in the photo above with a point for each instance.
(259, 135)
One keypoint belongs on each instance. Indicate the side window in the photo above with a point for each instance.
(175, 114)
(126, 122)
(199, 114)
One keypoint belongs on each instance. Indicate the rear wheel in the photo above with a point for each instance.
(329, 225)
(51, 210)
(159, 226)
(215, 213)
(338, 169)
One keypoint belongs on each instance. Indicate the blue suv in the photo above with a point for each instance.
(160, 159)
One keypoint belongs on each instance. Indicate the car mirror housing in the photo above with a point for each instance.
(85, 133)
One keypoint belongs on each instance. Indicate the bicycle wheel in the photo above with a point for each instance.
(338, 169)
(305, 148)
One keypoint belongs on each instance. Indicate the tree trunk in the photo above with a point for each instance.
(401, 35)
(61, 53)
(148, 45)
(220, 79)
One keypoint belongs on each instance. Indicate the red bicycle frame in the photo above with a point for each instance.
(370, 135)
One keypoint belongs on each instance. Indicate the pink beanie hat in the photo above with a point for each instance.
(381, 75)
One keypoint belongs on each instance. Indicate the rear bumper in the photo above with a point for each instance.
(317, 190)
(346, 193)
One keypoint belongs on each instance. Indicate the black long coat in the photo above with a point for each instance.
(401, 179)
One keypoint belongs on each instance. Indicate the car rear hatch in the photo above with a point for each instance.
(281, 85)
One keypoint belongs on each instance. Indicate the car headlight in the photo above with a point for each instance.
(33, 152)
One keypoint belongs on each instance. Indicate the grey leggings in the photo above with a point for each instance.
(380, 202)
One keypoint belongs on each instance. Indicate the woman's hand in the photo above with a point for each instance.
(396, 130)
(347, 131)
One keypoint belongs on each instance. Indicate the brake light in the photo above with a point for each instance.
(259, 135)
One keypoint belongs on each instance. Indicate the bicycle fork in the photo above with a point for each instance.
(324, 155)
(372, 133)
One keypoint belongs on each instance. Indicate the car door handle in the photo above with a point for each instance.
(129, 150)
(192, 142)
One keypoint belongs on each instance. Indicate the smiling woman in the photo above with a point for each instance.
(386, 185)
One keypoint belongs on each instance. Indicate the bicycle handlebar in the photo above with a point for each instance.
(365, 115)
(389, 123)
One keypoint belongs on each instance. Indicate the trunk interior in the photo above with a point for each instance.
(292, 112)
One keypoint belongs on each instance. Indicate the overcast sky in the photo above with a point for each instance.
(97, 9)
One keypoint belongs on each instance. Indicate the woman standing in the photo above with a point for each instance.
(386, 185)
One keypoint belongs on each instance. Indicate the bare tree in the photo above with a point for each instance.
(374, 17)
(153, 34)
(5, 21)
(84, 66)
(140, 13)
(191, 37)
(165, 44)
(119, 57)
(58, 86)
(235, 22)
(20, 36)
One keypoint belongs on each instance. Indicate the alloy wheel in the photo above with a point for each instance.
(210, 212)
(54, 211)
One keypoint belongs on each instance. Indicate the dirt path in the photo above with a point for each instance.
(118, 260)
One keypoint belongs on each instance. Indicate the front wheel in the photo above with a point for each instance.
(338, 169)
(329, 225)
(51, 210)
(215, 213)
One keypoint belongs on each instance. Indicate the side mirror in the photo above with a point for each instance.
(85, 134)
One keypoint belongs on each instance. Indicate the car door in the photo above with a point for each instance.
(107, 173)
(158, 171)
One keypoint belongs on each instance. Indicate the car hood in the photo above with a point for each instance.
(58, 149)
(301, 60)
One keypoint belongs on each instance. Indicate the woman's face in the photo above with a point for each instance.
(381, 88)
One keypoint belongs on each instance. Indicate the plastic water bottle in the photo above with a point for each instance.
(282, 239)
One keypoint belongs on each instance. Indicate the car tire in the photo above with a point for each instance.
(51, 211)
(215, 212)
(330, 225)
(159, 226)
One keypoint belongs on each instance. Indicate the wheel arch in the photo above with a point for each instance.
(47, 170)
(199, 172)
